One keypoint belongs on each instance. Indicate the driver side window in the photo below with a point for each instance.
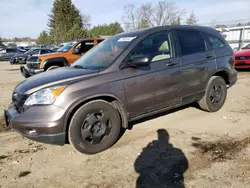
(156, 47)
(35, 52)
(78, 47)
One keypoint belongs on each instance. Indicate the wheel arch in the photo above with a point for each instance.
(58, 61)
(223, 74)
(106, 97)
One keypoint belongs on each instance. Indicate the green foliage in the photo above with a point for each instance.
(143, 24)
(44, 39)
(65, 22)
(177, 21)
(105, 29)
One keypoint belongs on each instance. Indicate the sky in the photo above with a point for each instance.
(27, 18)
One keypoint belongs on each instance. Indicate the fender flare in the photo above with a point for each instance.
(122, 109)
(55, 60)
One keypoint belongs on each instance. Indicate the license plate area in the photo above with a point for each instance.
(242, 63)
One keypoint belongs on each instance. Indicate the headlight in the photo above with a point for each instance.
(44, 96)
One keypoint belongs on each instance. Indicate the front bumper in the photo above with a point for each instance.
(28, 72)
(233, 76)
(37, 123)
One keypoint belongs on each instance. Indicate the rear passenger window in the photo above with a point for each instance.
(191, 42)
(215, 42)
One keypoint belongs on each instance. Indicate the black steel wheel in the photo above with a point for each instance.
(215, 96)
(94, 127)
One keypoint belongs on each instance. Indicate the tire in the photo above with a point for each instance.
(213, 101)
(52, 67)
(91, 132)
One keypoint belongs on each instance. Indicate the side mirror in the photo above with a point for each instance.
(139, 62)
(76, 51)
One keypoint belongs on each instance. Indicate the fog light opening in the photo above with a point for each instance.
(32, 132)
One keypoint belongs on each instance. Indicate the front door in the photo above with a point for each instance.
(151, 87)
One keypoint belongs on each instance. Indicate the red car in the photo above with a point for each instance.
(242, 59)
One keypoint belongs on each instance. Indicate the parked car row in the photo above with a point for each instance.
(22, 57)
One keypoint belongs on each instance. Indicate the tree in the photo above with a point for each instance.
(151, 15)
(192, 19)
(44, 39)
(65, 17)
(176, 22)
(143, 23)
(111, 29)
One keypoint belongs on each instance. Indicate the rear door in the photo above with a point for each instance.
(152, 87)
(223, 52)
(196, 60)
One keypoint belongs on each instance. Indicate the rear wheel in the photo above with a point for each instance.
(215, 96)
(94, 127)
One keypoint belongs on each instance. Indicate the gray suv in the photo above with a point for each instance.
(127, 77)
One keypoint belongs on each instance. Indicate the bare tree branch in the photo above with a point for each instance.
(162, 13)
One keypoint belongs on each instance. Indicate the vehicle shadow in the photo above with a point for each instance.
(161, 164)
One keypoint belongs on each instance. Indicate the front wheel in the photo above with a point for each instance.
(94, 127)
(215, 96)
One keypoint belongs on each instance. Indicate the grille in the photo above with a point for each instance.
(242, 64)
(242, 57)
(19, 100)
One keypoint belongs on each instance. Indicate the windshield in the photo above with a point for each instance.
(104, 54)
(29, 51)
(67, 46)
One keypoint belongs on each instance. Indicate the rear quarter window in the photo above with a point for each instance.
(215, 42)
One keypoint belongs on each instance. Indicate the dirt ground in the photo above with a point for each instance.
(182, 148)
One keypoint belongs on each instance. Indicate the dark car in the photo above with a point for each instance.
(22, 58)
(7, 53)
(126, 77)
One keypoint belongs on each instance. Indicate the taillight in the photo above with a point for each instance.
(233, 66)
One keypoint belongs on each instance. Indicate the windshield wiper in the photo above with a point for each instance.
(79, 67)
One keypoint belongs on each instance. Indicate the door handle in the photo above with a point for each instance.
(170, 64)
(209, 56)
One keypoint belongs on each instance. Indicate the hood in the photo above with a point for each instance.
(65, 75)
(51, 55)
(245, 52)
